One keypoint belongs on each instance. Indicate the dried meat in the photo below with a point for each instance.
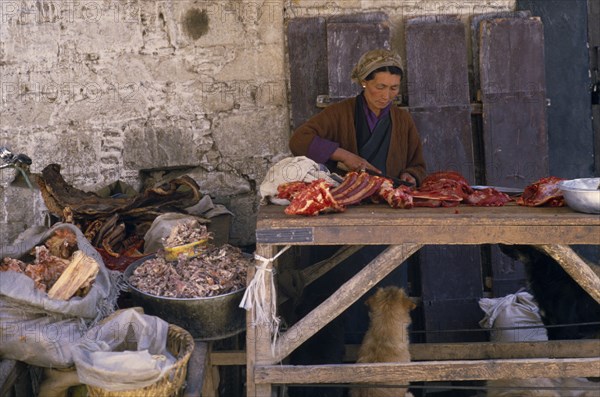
(217, 271)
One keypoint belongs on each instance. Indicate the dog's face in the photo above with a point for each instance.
(391, 302)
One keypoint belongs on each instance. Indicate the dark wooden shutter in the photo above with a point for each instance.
(307, 48)
(514, 101)
(438, 92)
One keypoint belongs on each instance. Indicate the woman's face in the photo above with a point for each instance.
(380, 91)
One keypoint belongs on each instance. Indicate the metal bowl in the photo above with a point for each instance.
(211, 318)
(582, 194)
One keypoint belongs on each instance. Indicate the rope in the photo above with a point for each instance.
(255, 297)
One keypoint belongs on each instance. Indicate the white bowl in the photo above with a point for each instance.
(582, 194)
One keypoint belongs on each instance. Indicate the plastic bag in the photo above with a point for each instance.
(127, 351)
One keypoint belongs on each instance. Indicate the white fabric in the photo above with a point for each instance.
(515, 310)
(520, 310)
(291, 169)
(127, 352)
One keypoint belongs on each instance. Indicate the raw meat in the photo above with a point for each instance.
(288, 190)
(488, 197)
(544, 191)
(314, 199)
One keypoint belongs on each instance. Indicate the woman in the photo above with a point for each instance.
(364, 132)
(367, 131)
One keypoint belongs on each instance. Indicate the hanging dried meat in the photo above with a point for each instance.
(178, 193)
(217, 271)
(115, 225)
(543, 192)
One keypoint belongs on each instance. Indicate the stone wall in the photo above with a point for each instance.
(119, 89)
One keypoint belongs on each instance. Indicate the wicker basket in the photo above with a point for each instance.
(180, 344)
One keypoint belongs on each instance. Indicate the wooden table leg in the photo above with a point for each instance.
(575, 267)
(345, 296)
(258, 336)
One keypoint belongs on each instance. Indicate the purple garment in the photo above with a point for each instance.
(372, 120)
(320, 150)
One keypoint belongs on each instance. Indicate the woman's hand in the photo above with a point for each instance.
(406, 177)
(351, 161)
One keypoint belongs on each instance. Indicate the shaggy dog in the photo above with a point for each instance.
(386, 340)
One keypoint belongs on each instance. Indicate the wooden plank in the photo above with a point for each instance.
(81, 271)
(511, 57)
(439, 92)
(340, 300)
(373, 215)
(583, 348)
(378, 224)
(432, 83)
(475, 26)
(508, 275)
(440, 105)
(514, 106)
(575, 267)
(515, 142)
(258, 336)
(566, 66)
(446, 320)
(313, 272)
(447, 139)
(475, 234)
(454, 261)
(225, 358)
(196, 370)
(307, 50)
(346, 42)
(429, 371)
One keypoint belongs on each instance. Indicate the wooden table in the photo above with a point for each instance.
(406, 231)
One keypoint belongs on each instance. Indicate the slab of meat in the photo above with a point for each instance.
(488, 197)
(313, 200)
(368, 186)
(347, 185)
(288, 190)
(397, 198)
(544, 191)
(448, 183)
(357, 187)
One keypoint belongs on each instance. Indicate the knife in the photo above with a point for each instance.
(397, 181)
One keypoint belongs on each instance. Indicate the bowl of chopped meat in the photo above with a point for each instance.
(582, 195)
(200, 294)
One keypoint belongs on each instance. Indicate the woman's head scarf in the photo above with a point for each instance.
(373, 60)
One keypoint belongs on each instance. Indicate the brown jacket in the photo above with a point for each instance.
(336, 123)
